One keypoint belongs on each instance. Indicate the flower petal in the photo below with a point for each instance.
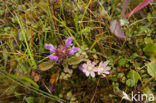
(89, 62)
(68, 42)
(95, 69)
(103, 64)
(108, 68)
(100, 64)
(81, 67)
(99, 73)
(93, 64)
(84, 70)
(106, 72)
(74, 50)
(84, 65)
(87, 73)
(50, 47)
(103, 75)
(93, 74)
(53, 58)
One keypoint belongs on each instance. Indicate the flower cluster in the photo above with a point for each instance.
(62, 51)
(90, 69)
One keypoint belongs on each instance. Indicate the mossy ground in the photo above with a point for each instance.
(27, 25)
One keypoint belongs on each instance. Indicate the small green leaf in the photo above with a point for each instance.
(35, 100)
(150, 49)
(151, 68)
(134, 76)
(75, 60)
(30, 100)
(66, 69)
(28, 80)
(46, 65)
(148, 41)
(73, 99)
(122, 62)
(69, 94)
(147, 91)
(130, 83)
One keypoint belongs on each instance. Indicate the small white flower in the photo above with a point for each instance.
(88, 68)
(103, 69)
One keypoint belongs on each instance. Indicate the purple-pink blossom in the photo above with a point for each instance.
(103, 69)
(74, 50)
(88, 68)
(50, 48)
(62, 51)
(68, 42)
(53, 57)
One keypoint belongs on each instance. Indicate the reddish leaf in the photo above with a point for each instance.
(53, 81)
(125, 4)
(35, 76)
(115, 28)
(139, 7)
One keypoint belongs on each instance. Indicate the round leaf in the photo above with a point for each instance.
(46, 65)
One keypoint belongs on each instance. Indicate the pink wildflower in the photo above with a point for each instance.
(88, 68)
(62, 51)
(103, 69)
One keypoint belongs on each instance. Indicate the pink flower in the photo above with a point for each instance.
(50, 48)
(74, 50)
(103, 69)
(53, 58)
(62, 51)
(68, 42)
(88, 68)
